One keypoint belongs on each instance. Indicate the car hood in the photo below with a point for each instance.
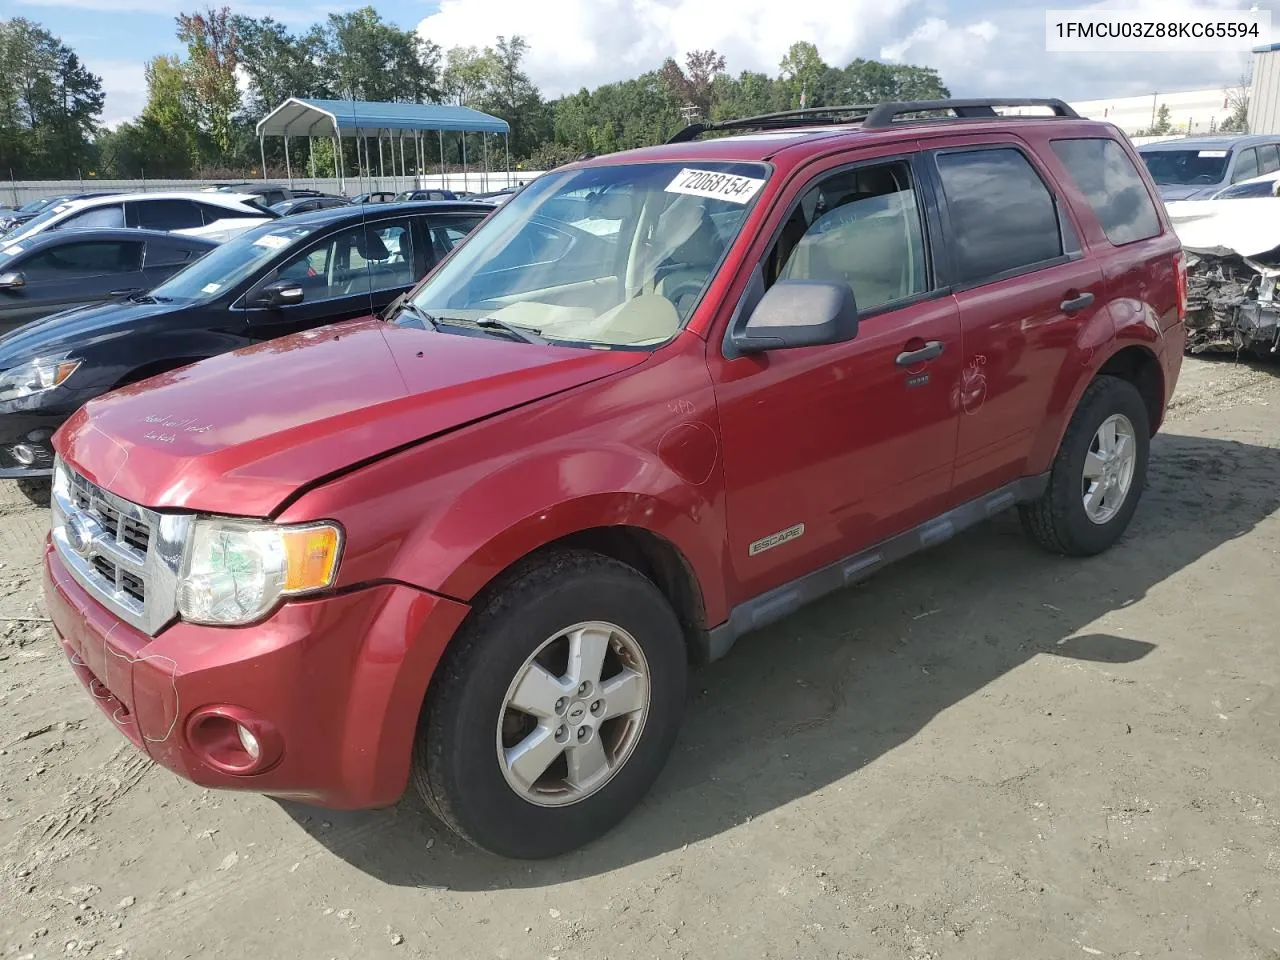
(1171, 192)
(239, 433)
(76, 328)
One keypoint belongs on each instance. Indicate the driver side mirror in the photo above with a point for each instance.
(799, 313)
(280, 293)
(11, 281)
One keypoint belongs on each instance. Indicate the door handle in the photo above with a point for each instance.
(909, 358)
(1077, 303)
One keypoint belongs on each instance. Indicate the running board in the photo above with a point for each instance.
(785, 600)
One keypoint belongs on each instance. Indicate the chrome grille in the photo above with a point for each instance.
(125, 555)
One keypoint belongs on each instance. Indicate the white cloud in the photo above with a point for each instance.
(1003, 54)
(125, 84)
(979, 49)
(577, 43)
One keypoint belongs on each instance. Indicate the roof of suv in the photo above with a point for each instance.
(1209, 143)
(798, 142)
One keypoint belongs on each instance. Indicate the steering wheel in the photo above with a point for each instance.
(683, 289)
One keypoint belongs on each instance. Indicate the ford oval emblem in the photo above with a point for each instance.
(80, 534)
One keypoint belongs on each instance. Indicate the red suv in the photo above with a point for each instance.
(657, 400)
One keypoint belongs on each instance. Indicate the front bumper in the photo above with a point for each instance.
(332, 687)
(34, 432)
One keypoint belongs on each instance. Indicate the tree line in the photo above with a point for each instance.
(202, 106)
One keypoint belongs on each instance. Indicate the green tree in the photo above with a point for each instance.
(802, 72)
(870, 81)
(1163, 124)
(1238, 102)
(363, 57)
(692, 86)
(213, 54)
(747, 95)
(49, 103)
(277, 64)
(163, 141)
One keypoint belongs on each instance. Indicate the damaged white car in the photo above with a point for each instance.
(1233, 262)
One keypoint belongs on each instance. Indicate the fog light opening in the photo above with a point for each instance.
(233, 740)
(24, 454)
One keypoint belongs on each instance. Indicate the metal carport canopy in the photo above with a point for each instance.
(298, 117)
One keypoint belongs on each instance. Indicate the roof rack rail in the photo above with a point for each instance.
(886, 114)
(810, 116)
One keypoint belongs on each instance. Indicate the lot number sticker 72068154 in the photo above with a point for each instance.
(717, 186)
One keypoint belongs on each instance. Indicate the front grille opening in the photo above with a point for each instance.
(106, 569)
(135, 534)
(133, 586)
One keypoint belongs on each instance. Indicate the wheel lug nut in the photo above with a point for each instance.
(583, 688)
(562, 734)
(584, 732)
(597, 706)
(561, 704)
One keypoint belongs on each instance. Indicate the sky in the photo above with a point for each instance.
(980, 47)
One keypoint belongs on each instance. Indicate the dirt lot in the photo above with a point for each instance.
(986, 752)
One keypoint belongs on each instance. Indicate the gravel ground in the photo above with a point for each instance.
(985, 752)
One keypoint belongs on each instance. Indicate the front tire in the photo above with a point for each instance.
(555, 709)
(1098, 474)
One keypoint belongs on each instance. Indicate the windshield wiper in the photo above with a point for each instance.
(494, 326)
(527, 334)
(144, 297)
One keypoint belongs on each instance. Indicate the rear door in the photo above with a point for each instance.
(1025, 289)
(69, 274)
(348, 273)
(165, 256)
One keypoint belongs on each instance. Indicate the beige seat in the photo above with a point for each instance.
(872, 244)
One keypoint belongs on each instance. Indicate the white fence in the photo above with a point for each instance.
(17, 192)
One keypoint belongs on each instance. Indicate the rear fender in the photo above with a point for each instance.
(1124, 323)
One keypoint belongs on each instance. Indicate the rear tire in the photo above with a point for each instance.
(537, 631)
(1092, 492)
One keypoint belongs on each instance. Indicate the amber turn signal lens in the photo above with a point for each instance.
(311, 557)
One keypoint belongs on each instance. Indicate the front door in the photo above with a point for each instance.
(67, 275)
(351, 273)
(829, 449)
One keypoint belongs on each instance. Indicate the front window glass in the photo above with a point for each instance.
(231, 262)
(616, 255)
(355, 261)
(1186, 168)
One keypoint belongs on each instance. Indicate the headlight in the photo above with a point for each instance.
(235, 571)
(35, 376)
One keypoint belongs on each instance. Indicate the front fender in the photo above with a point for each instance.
(451, 514)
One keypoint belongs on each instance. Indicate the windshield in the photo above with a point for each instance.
(227, 264)
(1187, 168)
(1253, 188)
(616, 255)
(36, 205)
(37, 223)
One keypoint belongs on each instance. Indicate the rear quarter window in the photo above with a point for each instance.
(1112, 186)
(1003, 218)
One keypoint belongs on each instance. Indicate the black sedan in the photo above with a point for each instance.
(59, 269)
(275, 279)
